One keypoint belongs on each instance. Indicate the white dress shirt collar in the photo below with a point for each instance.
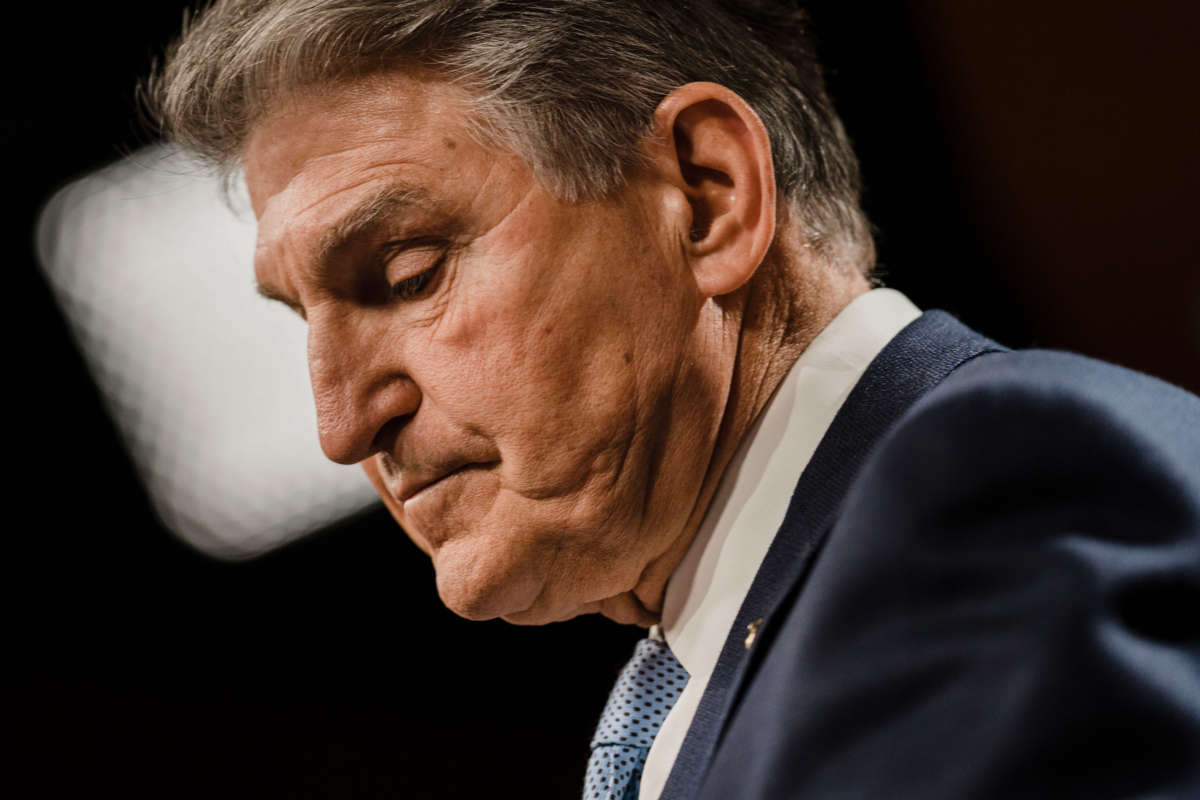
(707, 589)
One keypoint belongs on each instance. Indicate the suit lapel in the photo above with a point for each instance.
(916, 360)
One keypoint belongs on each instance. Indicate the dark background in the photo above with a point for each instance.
(1031, 168)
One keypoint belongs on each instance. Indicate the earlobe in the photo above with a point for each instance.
(719, 157)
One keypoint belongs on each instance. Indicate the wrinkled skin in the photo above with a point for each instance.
(535, 387)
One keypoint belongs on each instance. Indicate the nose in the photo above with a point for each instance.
(359, 383)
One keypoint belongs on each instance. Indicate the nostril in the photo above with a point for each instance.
(385, 438)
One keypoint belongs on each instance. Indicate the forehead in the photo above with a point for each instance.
(320, 140)
(340, 163)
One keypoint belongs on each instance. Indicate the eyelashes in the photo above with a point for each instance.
(413, 286)
(407, 261)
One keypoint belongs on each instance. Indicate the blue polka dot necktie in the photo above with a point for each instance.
(648, 687)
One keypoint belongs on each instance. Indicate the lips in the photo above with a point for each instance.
(411, 485)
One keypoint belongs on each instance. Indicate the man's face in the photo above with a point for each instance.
(519, 371)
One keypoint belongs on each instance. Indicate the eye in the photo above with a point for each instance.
(409, 273)
(411, 287)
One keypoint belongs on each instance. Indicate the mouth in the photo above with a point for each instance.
(411, 487)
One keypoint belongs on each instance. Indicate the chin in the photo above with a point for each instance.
(476, 584)
(472, 602)
(516, 602)
(519, 596)
(537, 576)
(535, 616)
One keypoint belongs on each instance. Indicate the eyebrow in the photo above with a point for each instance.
(388, 201)
(382, 204)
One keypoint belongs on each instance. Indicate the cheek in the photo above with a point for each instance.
(531, 327)
(543, 345)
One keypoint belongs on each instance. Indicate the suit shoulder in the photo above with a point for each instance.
(1002, 607)
(1068, 377)
(1049, 416)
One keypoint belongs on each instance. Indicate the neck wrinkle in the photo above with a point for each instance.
(777, 315)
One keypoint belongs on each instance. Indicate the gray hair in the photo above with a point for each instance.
(569, 85)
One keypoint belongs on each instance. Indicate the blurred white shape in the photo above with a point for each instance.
(206, 380)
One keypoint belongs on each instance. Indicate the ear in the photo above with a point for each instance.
(711, 146)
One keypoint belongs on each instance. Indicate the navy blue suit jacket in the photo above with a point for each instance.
(987, 585)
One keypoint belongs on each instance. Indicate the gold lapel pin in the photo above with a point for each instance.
(753, 631)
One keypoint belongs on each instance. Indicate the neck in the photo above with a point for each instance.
(766, 326)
